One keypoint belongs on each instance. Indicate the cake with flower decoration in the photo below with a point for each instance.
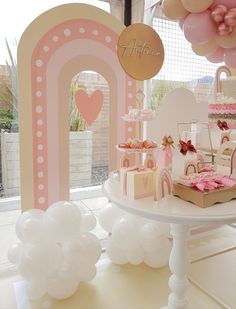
(223, 107)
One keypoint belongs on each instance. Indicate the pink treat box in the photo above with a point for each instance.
(139, 184)
(123, 178)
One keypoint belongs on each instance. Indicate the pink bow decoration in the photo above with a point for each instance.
(224, 18)
(214, 183)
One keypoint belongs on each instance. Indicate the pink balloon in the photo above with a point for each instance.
(217, 56)
(199, 27)
(230, 57)
(229, 3)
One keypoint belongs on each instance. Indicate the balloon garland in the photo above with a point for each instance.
(209, 25)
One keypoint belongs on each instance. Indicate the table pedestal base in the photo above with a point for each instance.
(179, 263)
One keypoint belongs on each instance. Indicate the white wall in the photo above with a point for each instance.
(177, 106)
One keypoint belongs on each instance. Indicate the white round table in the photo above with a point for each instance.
(181, 215)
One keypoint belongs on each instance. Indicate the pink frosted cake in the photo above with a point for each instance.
(223, 107)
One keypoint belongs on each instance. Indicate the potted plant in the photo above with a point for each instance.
(80, 137)
(9, 127)
(80, 142)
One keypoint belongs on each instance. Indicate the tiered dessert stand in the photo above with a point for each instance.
(137, 147)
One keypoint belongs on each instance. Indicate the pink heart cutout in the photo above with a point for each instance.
(89, 106)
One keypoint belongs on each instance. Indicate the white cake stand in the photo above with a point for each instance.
(181, 215)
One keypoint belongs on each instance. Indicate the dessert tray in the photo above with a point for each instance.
(136, 150)
(204, 199)
(136, 145)
(205, 189)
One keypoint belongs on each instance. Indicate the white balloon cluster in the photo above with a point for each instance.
(133, 239)
(56, 251)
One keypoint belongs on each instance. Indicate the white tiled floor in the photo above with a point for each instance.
(95, 203)
(204, 246)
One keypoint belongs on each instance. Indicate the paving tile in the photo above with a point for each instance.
(95, 203)
(212, 242)
(9, 217)
(82, 207)
(99, 232)
(216, 275)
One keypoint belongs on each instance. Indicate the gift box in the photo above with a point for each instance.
(194, 136)
(198, 133)
(185, 164)
(123, 178)
(136, 182)
(219, 137)
(139, 184)
(190, 163)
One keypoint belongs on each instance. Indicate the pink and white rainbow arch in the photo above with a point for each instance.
(56, 46)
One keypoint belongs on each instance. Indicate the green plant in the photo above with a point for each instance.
(5, 94)
(7, 123)
(77, 122)
(6, 113)
(12, 70)
(8, 95)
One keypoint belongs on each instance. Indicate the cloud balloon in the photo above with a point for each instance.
(57, 251)
(135, 240)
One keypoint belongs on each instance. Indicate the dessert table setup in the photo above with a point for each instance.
(188, 181)
(189, 184)
(183, 175)
(181, 215)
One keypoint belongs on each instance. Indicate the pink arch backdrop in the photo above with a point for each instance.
(64, 49)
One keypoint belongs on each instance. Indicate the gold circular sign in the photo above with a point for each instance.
(140, 51)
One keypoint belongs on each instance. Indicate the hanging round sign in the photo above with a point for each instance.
(140, 51)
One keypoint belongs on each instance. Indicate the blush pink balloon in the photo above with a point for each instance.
(199, 27)
(230, 57)
(229, 3)
(217, 56)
